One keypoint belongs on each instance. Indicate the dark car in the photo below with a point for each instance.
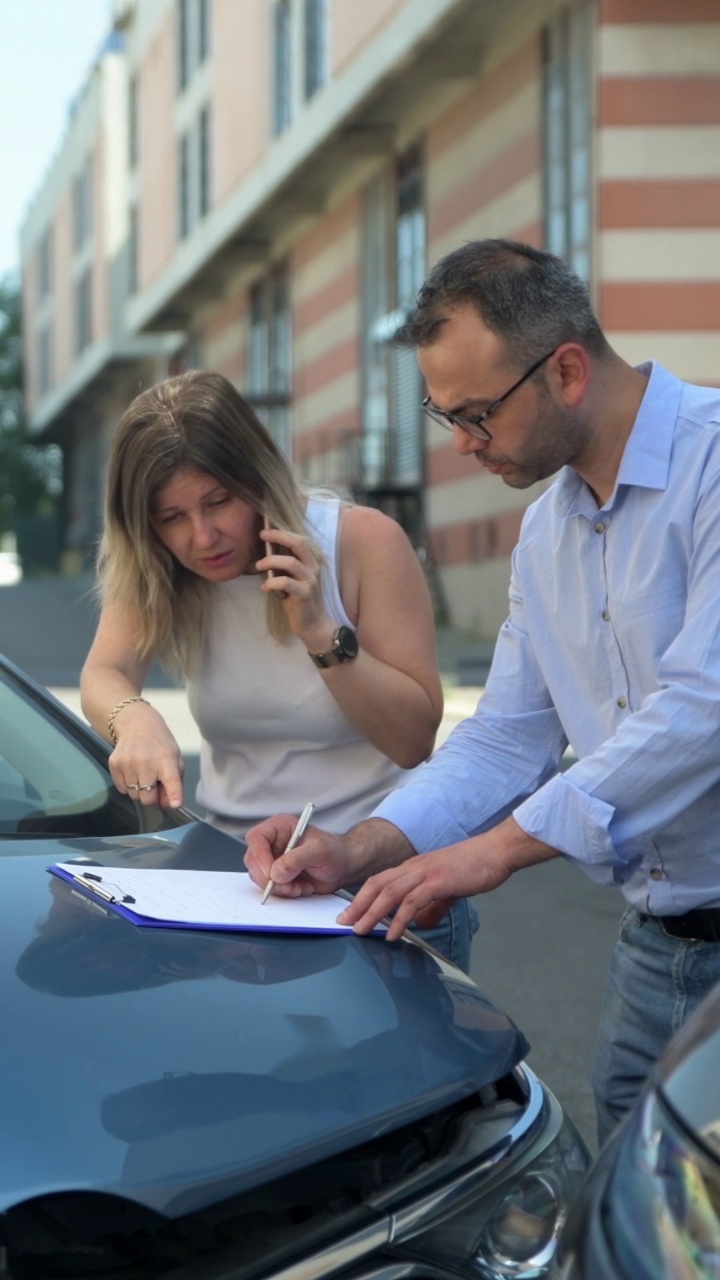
(214, 1104)
(650, 1207)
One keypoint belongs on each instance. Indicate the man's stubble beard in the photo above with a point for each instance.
(557, 438)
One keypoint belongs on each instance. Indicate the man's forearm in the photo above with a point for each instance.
(375, 845)
(517, 847)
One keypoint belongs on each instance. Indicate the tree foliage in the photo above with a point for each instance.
(29, 474)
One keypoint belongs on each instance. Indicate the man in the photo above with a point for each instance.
(612, 645)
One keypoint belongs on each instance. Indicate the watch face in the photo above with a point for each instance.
(346, 643)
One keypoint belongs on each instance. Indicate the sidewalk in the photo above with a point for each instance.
(47, 626)
(65, 609)
(172, 705)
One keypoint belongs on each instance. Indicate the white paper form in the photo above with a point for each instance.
(201, 899)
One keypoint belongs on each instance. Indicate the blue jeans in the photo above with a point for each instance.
(654, 984)
(454, 934)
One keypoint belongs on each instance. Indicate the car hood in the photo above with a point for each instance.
(176, 1067)
(688, 1074)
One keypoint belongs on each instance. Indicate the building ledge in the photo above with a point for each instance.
(431, 43)
(92, 368)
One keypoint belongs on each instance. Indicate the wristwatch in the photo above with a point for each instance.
(345, 647)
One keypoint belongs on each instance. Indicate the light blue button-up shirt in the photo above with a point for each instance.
(613, 646)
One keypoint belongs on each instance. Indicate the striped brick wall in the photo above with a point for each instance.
(223, 338)
(483, 179)
(325, 273)
(658, 182)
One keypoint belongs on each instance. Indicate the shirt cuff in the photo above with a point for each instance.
(427, 824)
(568, 819)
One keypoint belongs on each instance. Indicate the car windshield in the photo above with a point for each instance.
(53, 775)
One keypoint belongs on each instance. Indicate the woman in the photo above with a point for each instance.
(301, 625)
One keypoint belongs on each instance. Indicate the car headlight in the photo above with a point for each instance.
(507, 1225)
(662, 1203)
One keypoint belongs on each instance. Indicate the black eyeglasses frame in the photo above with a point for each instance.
(473, 423)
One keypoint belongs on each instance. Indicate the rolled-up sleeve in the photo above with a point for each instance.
(492, 760)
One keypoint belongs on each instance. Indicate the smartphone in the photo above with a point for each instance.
(270, 550)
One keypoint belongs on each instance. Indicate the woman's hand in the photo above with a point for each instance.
(146, 763)
(296, 576)
(391, 691)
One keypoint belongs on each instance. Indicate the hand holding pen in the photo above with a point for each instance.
(296, 836)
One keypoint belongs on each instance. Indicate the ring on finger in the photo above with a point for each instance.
(141, 786)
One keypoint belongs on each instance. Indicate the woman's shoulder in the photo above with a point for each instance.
(367, 526)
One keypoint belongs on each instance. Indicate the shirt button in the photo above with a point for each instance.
(622, 702)
(656, 874)
(600, 527)
(606, 615)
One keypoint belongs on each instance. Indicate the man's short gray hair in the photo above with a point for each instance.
(529, 298)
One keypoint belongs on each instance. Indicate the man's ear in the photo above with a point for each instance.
(570, 373)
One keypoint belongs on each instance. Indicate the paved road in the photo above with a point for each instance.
(545, 938)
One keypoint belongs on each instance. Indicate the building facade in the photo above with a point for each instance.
(260, 187)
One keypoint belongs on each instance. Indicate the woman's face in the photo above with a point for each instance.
(207, 528)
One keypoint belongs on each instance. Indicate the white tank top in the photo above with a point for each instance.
(273, 737)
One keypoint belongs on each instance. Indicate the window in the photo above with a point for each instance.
(44, 360)
(193, 38)
(316, 46)
(282, 76)
(52, 780)
(409, 275)
(258, 362)
(194, 173)
(83, 310)
(183, 43)
(567, 137)
(270, 355)
(203, 19)
(300, 56)
(204, 177)
(133, 149)
(184, 186)
(45, 265)
(393, 270)
(82, 205)
(133, 249)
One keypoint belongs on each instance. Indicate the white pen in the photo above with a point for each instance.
(297, 834)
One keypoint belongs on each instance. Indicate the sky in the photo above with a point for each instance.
(47, 48)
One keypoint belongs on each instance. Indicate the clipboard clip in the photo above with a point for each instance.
(93, 884)
(91, 904)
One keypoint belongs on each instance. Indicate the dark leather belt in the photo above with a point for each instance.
(701, 925)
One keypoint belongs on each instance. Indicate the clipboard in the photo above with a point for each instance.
(226, 901)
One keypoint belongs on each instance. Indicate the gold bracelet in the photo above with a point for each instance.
(111, 718)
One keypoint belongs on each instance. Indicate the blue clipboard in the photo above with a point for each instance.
(226, 901)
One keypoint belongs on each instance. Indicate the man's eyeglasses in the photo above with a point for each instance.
(473, 423)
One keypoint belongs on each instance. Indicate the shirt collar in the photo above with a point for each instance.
(646, 458)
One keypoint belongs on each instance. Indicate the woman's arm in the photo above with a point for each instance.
(391, 691)
(145, 750)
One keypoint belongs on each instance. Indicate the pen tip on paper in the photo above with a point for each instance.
(266, 893)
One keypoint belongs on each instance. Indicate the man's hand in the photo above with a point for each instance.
(424, 888)
(321, 862)
(316, 865)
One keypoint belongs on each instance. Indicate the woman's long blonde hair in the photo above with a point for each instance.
(195, 420)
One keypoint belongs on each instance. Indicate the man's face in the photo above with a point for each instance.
(534, 433)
